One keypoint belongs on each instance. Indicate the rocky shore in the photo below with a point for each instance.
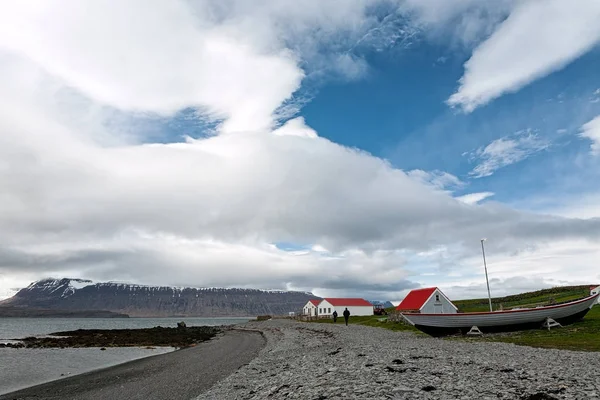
(181, 374)
(322, 361)
(158, 336)
(325, 361)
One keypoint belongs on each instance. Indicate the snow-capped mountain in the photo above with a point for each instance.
(141, 300)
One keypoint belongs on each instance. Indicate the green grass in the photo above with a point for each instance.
(377, 321)
(583, 335)
(530, 299)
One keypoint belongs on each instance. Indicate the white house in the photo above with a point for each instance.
(310, 308)
(427, 301)
(594, 291)
(356, 307)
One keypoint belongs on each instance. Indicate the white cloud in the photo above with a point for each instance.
(506, 151)
(83, 197)
(531, 268)
(153, 59)
(536, 39)
(437, 179)
(591, 131)
(232, 60)
(474, 198)
(595, 96)
(580, 206)
(296, 127)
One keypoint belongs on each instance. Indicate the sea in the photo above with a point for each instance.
(21, 368)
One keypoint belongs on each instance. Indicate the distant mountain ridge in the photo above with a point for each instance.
(155, 301)
(385, 304)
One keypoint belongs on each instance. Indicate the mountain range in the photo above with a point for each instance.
(75, 296)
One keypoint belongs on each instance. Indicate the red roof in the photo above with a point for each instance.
(315, 302)
(349, 302)
(415, 299)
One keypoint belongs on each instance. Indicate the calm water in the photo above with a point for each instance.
(18, 328)
(21, 368)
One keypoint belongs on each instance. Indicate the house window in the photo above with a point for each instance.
(437, 297)
(329, 311)
(320, 310)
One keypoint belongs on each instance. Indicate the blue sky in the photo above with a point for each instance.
(398, 111)
(344, 147)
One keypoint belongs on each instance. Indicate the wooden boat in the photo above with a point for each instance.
(499, 321)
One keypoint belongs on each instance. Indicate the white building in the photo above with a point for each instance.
(594, 291)
(427, 301)
(357, 307)
(310, 308)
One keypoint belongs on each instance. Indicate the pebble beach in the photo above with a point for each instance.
(285, 359)
(324, 361)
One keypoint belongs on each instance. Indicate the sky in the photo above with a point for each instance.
(347, 148)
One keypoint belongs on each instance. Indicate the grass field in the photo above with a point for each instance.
(374, 321)
(582, 336)
(530, 299)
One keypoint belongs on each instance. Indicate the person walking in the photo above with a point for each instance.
(346, 315)
(334, 316)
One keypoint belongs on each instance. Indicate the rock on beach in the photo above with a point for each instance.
(322, 361)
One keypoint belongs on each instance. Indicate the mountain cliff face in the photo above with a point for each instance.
(155, 301)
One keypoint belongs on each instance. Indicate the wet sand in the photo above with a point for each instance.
(183, 374)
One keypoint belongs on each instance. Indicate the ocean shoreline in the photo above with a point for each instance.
(160, 376)
(286, 359)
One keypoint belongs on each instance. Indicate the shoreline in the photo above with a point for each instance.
(184, 373)
(284, 359)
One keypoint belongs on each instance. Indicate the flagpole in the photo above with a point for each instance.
(486, 274)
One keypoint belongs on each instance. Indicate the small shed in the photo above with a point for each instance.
(310, 308)
(356, 306)
(427, 301)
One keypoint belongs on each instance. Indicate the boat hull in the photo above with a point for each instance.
(500, 321)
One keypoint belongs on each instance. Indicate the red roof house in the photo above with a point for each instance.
(427, 300)
(351, 302)
(311, 307)
(356, 306)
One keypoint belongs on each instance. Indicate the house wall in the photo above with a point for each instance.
(309, 309)
(438, 305)
(327, 310)
(595, 291)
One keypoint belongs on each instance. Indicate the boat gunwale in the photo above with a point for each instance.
(410, 315)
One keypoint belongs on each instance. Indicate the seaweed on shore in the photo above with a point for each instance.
(157, 336)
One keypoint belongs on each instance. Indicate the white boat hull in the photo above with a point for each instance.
(498, 320)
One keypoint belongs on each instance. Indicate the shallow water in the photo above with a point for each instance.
(21, 368)
(18, 328)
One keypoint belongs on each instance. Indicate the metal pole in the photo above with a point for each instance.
(486, 275)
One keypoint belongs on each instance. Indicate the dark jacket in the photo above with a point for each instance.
(346, 313)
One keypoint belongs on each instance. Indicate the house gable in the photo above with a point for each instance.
(417, 299)
(439, 292)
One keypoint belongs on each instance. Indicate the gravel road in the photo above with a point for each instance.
(182, 374)
(322, 361)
